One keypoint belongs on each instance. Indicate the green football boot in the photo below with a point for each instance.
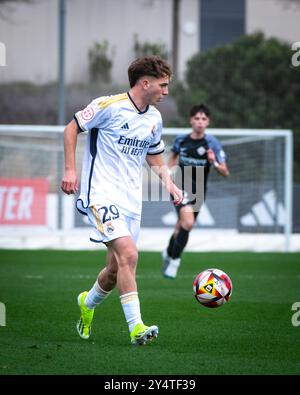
(84, 324)
(141, 334)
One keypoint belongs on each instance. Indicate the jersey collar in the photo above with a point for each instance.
(135, 106)
(203, 137)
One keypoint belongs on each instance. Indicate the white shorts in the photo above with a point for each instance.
(110, 223)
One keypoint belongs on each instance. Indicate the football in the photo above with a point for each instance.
(212, 288)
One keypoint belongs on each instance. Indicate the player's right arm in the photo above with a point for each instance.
(69, 183)
(98, 112)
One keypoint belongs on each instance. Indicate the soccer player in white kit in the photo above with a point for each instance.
(123, 131)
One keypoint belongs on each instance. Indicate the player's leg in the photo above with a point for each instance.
(184, 225)
(105, 282)
(173, 237)
(101, 289)
(166, 253)
(125, 253)
(126, 256)
(106, 279)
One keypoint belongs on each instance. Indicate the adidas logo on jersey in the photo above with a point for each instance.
(125, 126)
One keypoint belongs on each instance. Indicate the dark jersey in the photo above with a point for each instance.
(193, 153)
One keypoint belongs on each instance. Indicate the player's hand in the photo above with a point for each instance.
(69, 183)
(177, 195)
(211, 157)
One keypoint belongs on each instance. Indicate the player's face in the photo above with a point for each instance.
(157, 89)
(199, 122)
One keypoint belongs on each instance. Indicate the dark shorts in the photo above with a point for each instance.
(189, 201)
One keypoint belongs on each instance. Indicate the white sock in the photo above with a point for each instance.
(95, 296)
(165, 254)
(131, 307)
(172, 268)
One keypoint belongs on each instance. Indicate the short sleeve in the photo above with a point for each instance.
(216, 146)
(157, 145)
(93, 115)
(177, 143)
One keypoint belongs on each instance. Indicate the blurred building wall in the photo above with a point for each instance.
(30, 33)
(276, 18)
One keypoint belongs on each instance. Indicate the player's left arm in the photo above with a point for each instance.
(217, 157)
(156, 163)
(220, 167)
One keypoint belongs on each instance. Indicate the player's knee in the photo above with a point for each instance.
(188, 224)
(129, 258)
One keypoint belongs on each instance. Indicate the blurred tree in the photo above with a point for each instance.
(250, 83)
(146, 48)
(100, 64)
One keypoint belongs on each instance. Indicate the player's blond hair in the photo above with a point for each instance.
(148, 66)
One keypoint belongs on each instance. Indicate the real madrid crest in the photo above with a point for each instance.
(109, 227)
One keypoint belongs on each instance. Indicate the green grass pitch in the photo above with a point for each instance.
(252, 334)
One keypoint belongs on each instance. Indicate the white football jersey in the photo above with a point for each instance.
(119, 138)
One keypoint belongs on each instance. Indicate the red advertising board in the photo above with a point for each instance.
(23, 201)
